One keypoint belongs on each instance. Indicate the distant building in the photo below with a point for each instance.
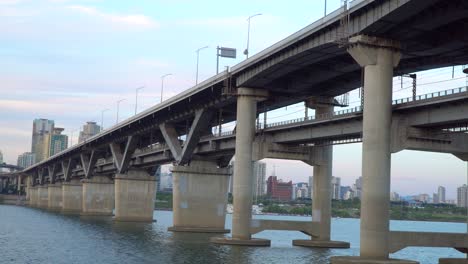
(336, 188)
(423, 197)
(166, 182)
(441, 194)
(259, 174)
(435, 198)
(42, 128)
(462, 196)
(394, 196)
(89, 130)
(276, 189)
(57, 142)
(301, 190)
(26, 159)
(343, 191)
(357, 188)
(311, 186)
(1, 157)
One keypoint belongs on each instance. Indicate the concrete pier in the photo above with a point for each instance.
(54, 202)
(98, 196)
(33, 201)
(243, 170)
(135, 193)
(72, 197)
(321, 201)
(378, 57)
(200, 198)
(42, 196)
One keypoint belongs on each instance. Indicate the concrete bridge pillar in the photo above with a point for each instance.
(55, 197)
(42, 196)
(243, 169)
(378, 57)
(322, 196)
(33, 196)
(98, 196)
(72, 197)
(135, 192)
(200, 197)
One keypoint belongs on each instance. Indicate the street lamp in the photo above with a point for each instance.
(136, 97)
(102, 118)
(198, 56)
(246, 51)
(118, 103)
(162, 84)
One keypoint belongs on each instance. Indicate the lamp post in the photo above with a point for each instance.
(198, 57)
(118, 103)
(162, 84)
(102, 117)
(246, 51)
(136, 98)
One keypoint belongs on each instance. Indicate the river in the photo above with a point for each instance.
(29, 235)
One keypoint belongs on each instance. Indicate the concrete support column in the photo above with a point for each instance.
(43, 196)
(200, 197)
(33, 196)
(135, 193)
(243, 169)
(55, 197)
(98, 196)
(72, 197)
(378, 57)
(322, 196)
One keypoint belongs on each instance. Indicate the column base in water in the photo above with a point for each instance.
(135, 193)
(361, 260)
(98, 196)
(255, 242)
(72, 197)
(320, 243)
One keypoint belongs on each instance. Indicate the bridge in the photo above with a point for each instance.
(366, 43)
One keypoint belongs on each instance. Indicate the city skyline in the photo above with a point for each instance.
(128, 46)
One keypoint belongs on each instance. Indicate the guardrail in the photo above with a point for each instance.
(354, 110)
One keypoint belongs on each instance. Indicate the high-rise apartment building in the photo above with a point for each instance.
(89, 129)
(462, 196)
(441, 194)
(259, 173)
(336, 188)
(26, 159)
(57, 142)
(1, 157)
(311, 186)
(42, 128)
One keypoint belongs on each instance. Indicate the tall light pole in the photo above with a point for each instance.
(246, 51)
(136, 98)
(162, 84)
(198, 57)
(102, 117)
(118, 103)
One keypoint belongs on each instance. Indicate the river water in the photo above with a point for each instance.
(29, 235)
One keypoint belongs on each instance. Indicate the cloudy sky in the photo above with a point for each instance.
(68, 60)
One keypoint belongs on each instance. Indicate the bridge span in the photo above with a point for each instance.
(366, 43)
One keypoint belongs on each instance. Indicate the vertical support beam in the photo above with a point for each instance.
(54, 202)
(378, 57)
(321, 201)
(243, 169)
(122, 157)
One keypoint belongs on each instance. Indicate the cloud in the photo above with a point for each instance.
(133, 20)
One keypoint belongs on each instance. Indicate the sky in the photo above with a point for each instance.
(69, 60)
